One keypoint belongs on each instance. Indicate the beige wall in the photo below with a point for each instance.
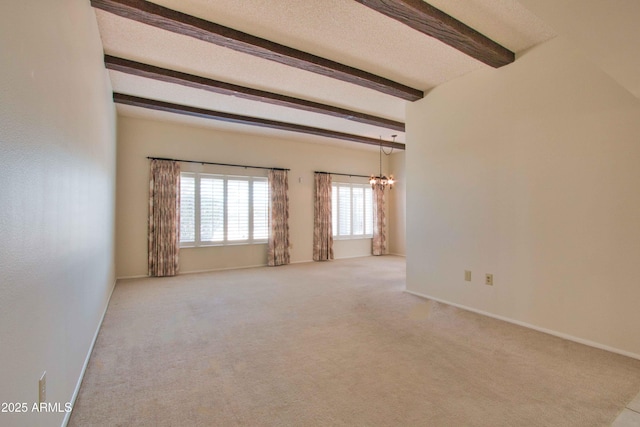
(397, 205)
(139, 138)
(530, 172)
(57, 169)
(607, 36)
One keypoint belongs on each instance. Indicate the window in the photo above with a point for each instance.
(221, 209)
(351, 210)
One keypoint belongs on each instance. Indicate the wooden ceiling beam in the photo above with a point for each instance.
(216, 86)
(181, 23)
(246, 120)
(433, 22)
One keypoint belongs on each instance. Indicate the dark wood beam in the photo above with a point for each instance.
(433, 22)
(246, 120)
(171, 76)
(181, 23)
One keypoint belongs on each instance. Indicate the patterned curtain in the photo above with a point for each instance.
(278, 253)
(164, 218)
(379, 242)
(322, 233)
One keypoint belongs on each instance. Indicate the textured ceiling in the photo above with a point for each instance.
(340, 30)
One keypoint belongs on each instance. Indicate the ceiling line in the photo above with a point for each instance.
(433, 22)
(216, 86)
(191, 26)
(246, 120)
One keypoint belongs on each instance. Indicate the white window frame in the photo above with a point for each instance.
(225, 242)
(336, 211)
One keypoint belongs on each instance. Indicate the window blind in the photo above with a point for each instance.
(352, 210)
(219, 209)
(187, 208)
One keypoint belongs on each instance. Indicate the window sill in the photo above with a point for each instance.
(352, 237)
(221, 245)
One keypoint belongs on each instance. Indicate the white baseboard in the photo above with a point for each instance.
(355, 256)
(182, 273)
(141, 276)
(348, 257)
(335, 259)
(402, 255)
(242, 267)
(67, 416)
(530, 326)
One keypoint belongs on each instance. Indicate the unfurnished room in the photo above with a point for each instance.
(320, 213)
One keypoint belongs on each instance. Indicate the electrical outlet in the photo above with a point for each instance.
(467, 275)
(42, 388)
(488, 279)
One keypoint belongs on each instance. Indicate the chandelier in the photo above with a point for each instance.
(382, 179)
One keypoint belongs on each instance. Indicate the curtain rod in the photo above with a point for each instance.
(218, 164)
(344, 174)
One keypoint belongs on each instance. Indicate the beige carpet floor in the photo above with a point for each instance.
(332, 344)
